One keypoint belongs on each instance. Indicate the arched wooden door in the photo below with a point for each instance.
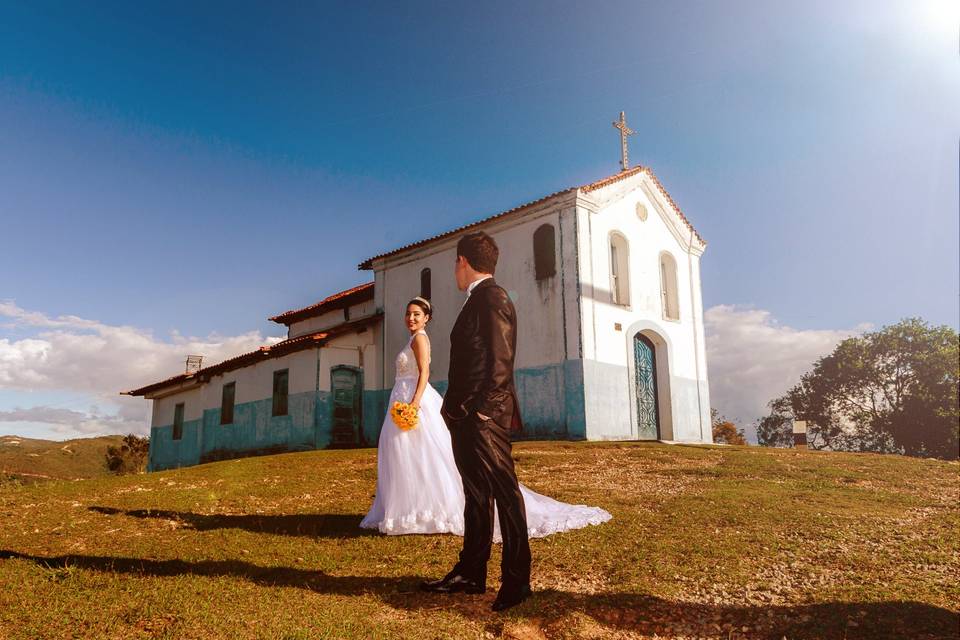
(346, 385)
(645, 386)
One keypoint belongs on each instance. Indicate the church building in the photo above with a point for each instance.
(605, 278)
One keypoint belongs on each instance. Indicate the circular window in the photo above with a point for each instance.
(641, 211)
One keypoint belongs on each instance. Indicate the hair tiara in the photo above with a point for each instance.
(426, 302)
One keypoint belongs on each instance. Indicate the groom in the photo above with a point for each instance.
(480, 408)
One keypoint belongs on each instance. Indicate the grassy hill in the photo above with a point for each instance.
(717, 542)
(29, 459)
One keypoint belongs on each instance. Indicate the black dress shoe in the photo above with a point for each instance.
(453, 583)
(510, 597)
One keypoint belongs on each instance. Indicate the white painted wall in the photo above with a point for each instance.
(330, 319)
(255, 382)
(609, 351)
(163, 408)
(357, 350)
(546, 310)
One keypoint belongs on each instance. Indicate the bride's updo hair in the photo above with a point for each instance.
(424, 304)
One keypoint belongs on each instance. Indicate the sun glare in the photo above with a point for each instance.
(940, 17)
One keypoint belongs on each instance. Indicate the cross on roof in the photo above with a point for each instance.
(624, 132)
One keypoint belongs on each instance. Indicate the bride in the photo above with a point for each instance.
(419, 489)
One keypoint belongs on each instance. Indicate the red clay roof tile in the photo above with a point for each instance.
(339, 300)
(367, 264)
(593, 186)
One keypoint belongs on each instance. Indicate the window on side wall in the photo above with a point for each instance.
(619, 270)
(544, 252)
(669, 296)
(227, 402)
(425, 284)
(178, 421)
(280, 382)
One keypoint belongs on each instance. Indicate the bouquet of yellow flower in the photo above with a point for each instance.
(404, 416)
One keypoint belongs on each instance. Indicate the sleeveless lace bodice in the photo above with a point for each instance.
(406, 361)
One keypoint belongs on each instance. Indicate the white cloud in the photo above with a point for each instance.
(72, 354)
(72, 423)
(752, 359)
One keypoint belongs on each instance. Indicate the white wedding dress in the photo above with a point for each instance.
(419, 489)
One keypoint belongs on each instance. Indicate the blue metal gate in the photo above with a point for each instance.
(645, 382)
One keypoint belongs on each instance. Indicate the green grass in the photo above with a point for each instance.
(719, 542)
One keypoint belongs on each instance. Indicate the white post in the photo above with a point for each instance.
(799, 434)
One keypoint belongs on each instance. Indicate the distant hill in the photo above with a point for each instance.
(30, 459)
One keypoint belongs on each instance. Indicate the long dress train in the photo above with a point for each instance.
(419, 489)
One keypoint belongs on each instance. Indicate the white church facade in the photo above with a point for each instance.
(605, 278)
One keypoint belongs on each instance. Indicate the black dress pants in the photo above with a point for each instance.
(481, 449)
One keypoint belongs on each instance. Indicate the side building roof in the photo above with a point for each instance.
(292, 345)
(354, 295)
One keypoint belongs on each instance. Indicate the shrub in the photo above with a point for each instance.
(130, 456)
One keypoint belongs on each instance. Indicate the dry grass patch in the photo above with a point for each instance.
(715, 542)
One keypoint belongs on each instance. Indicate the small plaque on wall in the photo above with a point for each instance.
(617, 326)
(641, 211)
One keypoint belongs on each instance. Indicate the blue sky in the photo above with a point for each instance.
(181, 172)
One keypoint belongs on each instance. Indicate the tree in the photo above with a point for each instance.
(724, 431)
(891, 391)
(727, 432)
(775, 429)
(130, 456)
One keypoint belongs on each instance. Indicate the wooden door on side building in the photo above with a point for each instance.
(346, 385)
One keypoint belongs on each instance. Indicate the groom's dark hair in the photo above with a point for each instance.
(480, 251)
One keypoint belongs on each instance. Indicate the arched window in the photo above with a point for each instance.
(619, 269)
(425, 283)
(544, 252)
(668, 287)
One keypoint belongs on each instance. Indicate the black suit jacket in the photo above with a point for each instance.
(482, 348)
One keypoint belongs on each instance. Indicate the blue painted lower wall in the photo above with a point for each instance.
(254, 429)
(551, 402)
